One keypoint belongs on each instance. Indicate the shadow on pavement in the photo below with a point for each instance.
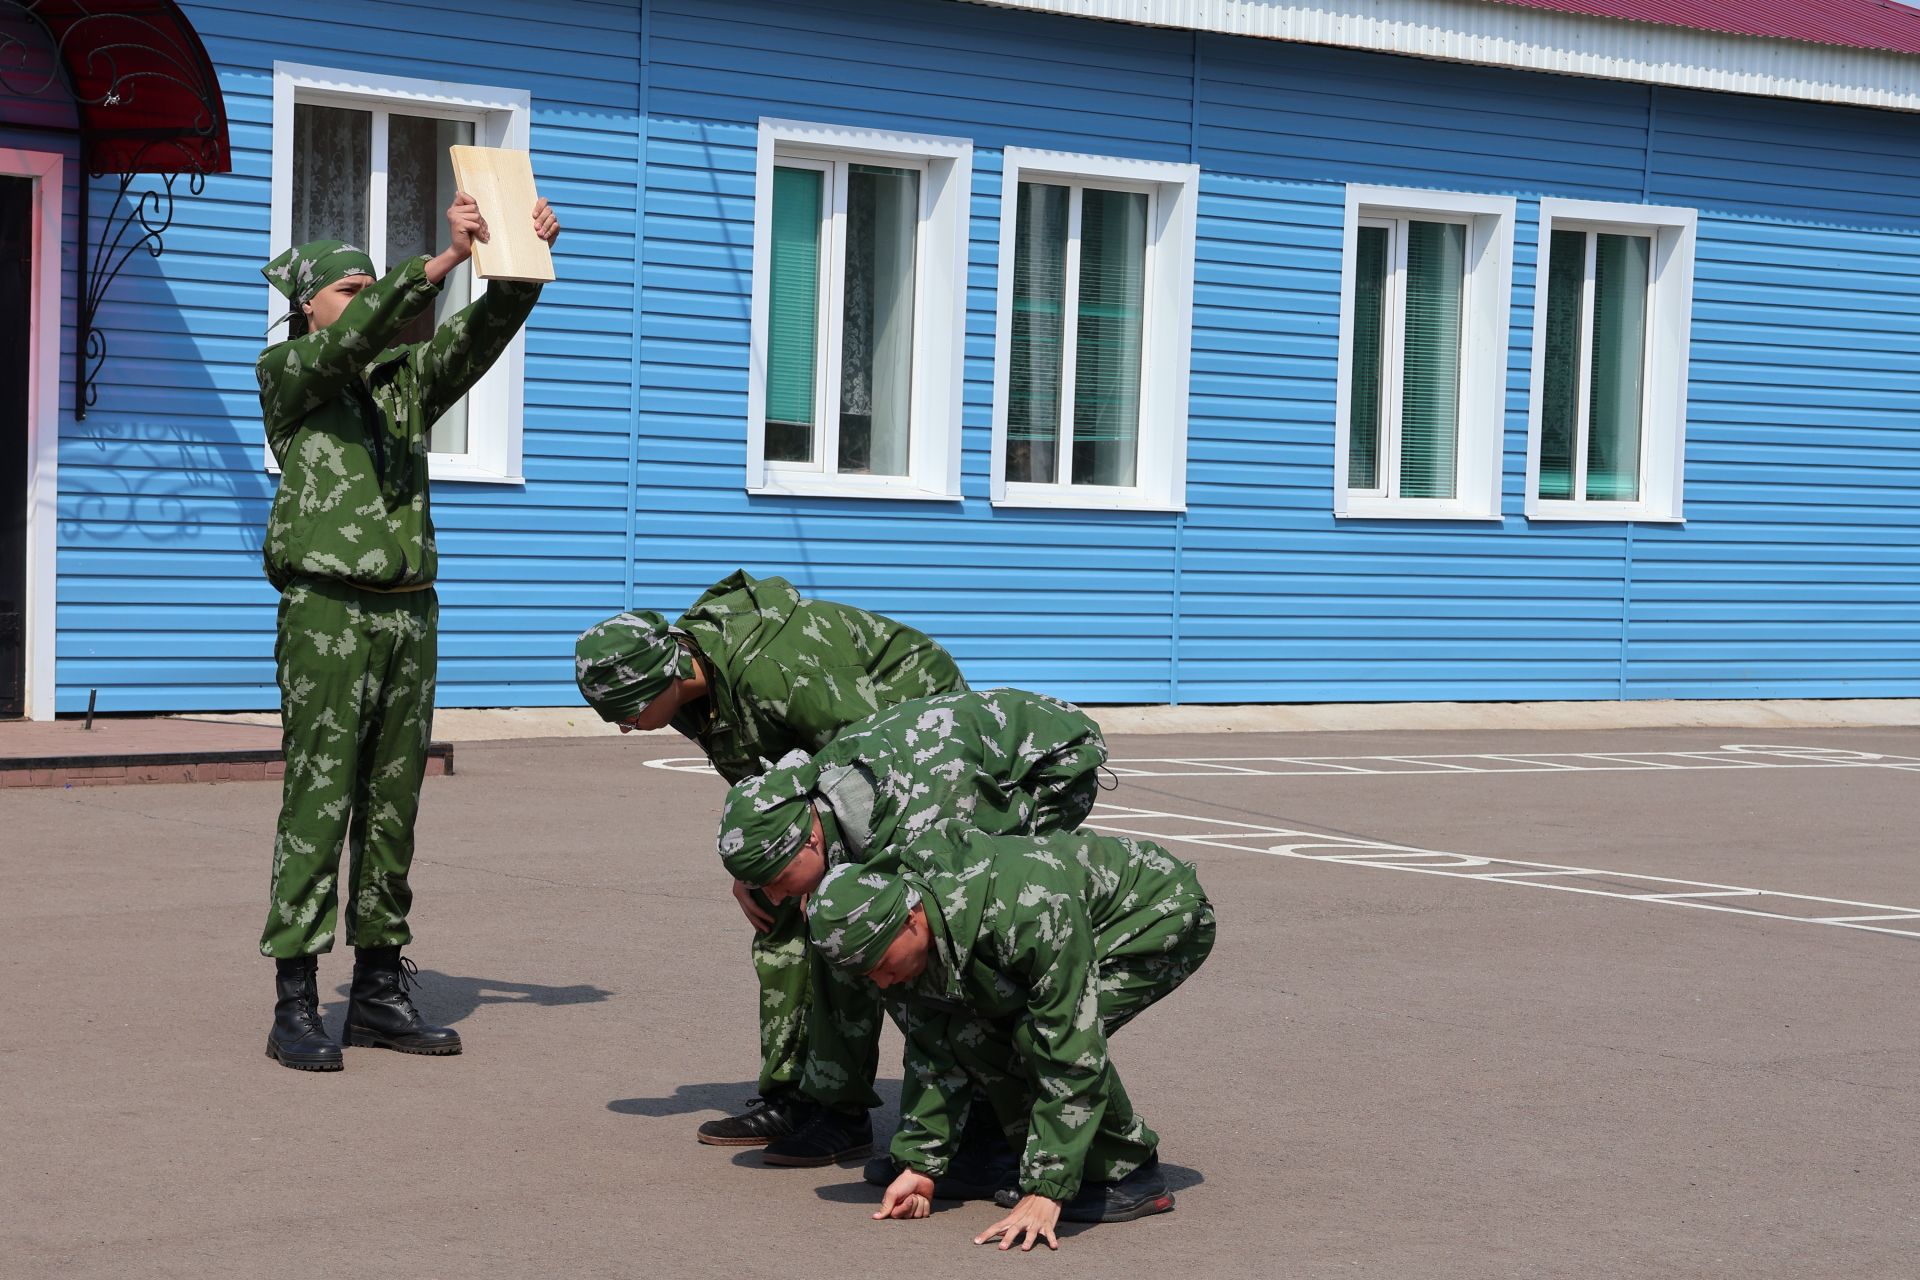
(688, 1098)
(445, 999)
(860, 1193)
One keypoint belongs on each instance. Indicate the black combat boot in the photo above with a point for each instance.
(379, 1013)
(298, 1039)
(764, 1120)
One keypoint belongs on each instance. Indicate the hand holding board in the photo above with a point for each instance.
(501, 182)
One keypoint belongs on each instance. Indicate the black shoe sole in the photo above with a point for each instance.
(366, 1040)
(1162, 1203)
(311, 1064)
(817, 1162)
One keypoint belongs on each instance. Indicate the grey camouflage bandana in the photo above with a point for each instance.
(626, 662)
(305, 270)
(856, 913)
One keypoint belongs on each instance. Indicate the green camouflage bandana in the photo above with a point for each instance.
(306, 269)
(626, 662)
(856, 913)
(766, 819)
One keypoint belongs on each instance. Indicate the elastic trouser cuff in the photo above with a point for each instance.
(1060, 1191)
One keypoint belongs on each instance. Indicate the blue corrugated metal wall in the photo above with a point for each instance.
(1798, 572)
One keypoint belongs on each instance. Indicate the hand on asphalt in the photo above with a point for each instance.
(1037, 1216)
(910, 1196)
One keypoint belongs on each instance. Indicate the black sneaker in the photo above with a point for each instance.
(1140, 1194)
(827, 1137)
(764, 1120)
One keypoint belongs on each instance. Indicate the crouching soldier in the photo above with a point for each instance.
(1008, 961)
(1001, 761)
(752, 672)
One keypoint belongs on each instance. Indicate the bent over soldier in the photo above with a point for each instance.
(1001, 761)
(1008, 961)
(350, 547)
(752, 672)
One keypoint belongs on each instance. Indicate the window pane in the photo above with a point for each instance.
(1564, 279)
(1106, 384)
(793, 313)
(876, 328)
(420, 186)
(1430, 373)
(1363, 390)
(1034, 351)
(1619, 367)
(332, 161)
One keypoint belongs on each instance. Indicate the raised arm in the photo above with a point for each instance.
(299, 375)
(465, 347)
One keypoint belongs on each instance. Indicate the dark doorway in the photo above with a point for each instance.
(16, 322)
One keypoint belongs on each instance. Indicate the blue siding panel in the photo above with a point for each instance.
(1795, 574)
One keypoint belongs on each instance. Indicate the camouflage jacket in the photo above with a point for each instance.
(1003, 760)
(1021, 926)
(347, 416)
(785, 672)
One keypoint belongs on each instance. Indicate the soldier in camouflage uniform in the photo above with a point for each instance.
(1001, 761)
(752, 672)
(350, 547)
(1008, 961)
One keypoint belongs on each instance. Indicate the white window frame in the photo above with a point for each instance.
(1166, 349)
(501, 118)
(939, 310)
(1663, 416)
(1485, 315)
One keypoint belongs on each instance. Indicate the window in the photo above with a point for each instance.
(1424, 312)
(1094, 335)
(1614, 304)
(859, 282)
(364, 159)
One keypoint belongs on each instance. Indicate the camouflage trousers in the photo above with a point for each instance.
(819, 1026)
(356, 672)
(1139, 967)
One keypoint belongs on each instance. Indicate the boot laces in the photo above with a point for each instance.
(409, 974)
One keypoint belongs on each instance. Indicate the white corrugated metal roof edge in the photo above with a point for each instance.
(1538, 40)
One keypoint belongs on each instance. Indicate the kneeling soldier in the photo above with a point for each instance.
(753, 671)
(1007, 961)
(1002, 761)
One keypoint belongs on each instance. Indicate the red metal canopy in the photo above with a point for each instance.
(143, 87)
(1854, 24)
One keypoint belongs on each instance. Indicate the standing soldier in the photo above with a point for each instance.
(1002, 761)
(751, 672)
(350, 547)
(1008, 961)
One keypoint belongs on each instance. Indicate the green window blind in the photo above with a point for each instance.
(1620, 266)
(793, 312)
(1111, 315)
(1566, 277)
(1430, 365)
(1373, 260)
(1038, 326)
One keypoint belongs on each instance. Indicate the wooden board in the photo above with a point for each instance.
(501, 181)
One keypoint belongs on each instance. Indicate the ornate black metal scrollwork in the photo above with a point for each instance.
(107, 59)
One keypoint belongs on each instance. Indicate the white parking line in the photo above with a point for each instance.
(1354, 851)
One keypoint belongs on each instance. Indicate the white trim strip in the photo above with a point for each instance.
(1496, 35)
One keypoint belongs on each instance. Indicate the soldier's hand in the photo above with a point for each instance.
(757, 916)
(545, 225)
(909, 1196)
(465, 224)
(1036, 1215)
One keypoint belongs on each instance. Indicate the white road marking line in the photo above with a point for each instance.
(1355, 851)
(1729, 757)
